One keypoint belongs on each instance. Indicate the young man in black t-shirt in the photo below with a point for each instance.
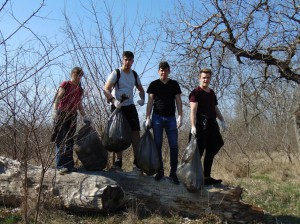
(163, 94)
(204, 111)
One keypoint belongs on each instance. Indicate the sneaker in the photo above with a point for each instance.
(117, 164)
(174, 178)
(159, 176)
(63, 171)
(137, 171)
(211, 181)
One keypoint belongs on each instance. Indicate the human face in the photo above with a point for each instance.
(127, 63)
(76, 76)
(204, 79)
(164, 73)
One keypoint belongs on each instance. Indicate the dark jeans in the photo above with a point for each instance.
(160, 123)
(210, 140)
(64, 131)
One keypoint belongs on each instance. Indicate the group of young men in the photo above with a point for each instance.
(164, 98)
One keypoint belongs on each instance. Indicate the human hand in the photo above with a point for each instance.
(117, 104)
(141, 102)
(54, 114)
(193, 131)
(179, 121)
(223, 125)
(148, 123)
(86, 119)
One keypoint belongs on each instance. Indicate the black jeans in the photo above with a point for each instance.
(208, 139)
(64, 130)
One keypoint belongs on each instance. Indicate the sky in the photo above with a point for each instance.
(51, 18)
(50, 21)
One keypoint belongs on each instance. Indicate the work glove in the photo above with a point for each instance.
(54, 114)
(117, 104)
(141, 102)
(86, 119)
(148, 123)
(223, 125)
(179, 121)
(193, 131)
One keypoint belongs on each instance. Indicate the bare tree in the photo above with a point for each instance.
(252, 44)
(98, 49)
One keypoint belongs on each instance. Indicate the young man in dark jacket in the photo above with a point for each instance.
(204, 111)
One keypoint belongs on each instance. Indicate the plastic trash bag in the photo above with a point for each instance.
(117, 133)
(89, 148)
(190, 171)
(147, 155)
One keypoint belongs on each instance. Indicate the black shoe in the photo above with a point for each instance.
(211, 181)
(159, 176)
(73, 169)
(118, 164)
(174, 178)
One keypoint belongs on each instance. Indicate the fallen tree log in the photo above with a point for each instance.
(75, 191)
(109, 190)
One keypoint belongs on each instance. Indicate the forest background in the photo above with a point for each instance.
(252, 47)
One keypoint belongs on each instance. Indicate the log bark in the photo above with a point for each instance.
(106, 190)
(75, 191)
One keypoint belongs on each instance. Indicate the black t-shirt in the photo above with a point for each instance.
(164, 96)
(206, 102)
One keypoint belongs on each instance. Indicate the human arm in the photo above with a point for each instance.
(194, 108)
(110, 98)
(149, 108)
(179, 110)
(60, 93)
(141, 90)
(59, 96)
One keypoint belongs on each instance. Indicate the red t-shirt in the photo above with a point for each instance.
(206, 102)
(72, 97)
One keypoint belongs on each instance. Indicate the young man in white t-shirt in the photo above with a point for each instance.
(113, 93)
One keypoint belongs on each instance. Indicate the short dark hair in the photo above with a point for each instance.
(128, 54)
(164, 65)
(78, 70)
(205, 70)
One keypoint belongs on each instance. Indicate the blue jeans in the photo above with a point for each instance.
(64, 142)
(159, 123)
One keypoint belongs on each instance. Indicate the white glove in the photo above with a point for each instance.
(86, 119)
(148, 123)
(54, 114)
(117, 104)
(193, 131)
(223, 125)
(141, 102)
(179, 121)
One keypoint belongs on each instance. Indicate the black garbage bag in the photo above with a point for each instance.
(89, 149)
(117, 133)
(190, 171)
(147, 155)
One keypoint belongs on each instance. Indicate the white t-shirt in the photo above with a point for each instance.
(126, 85)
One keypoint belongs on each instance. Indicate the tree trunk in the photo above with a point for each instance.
(297, 126)
(105, 190)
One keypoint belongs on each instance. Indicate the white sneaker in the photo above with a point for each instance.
(137, 171)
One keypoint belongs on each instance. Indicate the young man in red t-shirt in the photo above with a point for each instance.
(204, 111)
(66, 103)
